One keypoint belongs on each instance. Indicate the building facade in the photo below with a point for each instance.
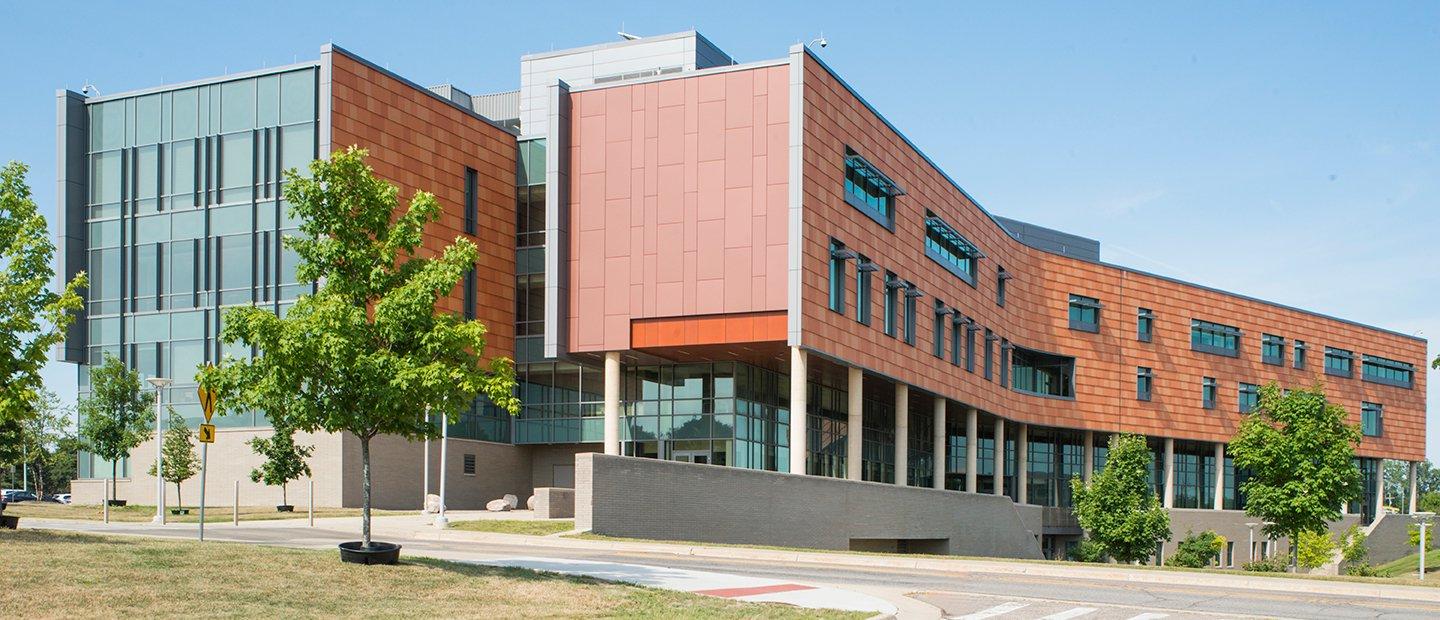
(682, 251)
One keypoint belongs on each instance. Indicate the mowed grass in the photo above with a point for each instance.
(537, 527)
(1408, 565)
(62, 575)
(143, 514)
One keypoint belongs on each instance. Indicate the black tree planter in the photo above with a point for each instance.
(356, 552)
(8, 522)
(118, 502)
(284, 508)
(179, 511)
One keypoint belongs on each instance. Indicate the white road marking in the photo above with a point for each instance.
(1150, 616)
(1071, 613)
(992, 612)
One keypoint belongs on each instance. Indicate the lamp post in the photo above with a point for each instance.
(159, 383)
(1424, 519)
(1252, 539)
(440, 520)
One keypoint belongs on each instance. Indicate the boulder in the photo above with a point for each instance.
(530, 503)
(432, 503)
(498, 505)
(513, 501)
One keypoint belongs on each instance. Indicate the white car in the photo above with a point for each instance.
(63, 498)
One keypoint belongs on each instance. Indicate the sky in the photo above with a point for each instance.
(1285, 150)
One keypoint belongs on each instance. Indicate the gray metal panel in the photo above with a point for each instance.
(557, 222)
(796, 240)
(326, 94)
(71, 192)
(454, 94)
(499, 106)
(1052, 240)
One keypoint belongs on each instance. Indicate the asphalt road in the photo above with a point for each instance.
(958, 595)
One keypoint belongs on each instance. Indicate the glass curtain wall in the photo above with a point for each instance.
(185, 219)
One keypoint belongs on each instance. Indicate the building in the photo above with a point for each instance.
(699, 247)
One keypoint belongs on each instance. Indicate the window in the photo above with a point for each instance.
(1272, 349)
(1249, 397)
(1209, 391)
(838, 255)
(1144, 325)
(469, 465)
(1389, 372)
(1084, 313)
(471, 213)
(1372, 419)
(1004, 363)
(945, 246)
(471, 294)
(970, 329)
(863, 269)
(942, 316)
(892, 303)
(1001, 276)
(1043, 374)
(1214, 338)
(911, 293)
(957, 327)
(1338, 362)
(990, 338)
(1144, 381)
(1299, 354)
(869, 190)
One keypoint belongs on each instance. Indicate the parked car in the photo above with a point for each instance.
(62, 498)
(20, 496)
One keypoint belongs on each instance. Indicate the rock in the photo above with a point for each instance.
(498, 505)
(432, 503)
(530, 503)
(513, 501)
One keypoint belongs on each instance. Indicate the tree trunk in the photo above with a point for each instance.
(179, 502)
(284, 498)
(365, 508)
(113, 468)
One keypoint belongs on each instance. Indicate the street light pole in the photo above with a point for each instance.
(440, 520)
(1424, 519)
(159, 383)
(1252, 539)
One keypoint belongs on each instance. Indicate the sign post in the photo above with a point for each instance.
(207, 437)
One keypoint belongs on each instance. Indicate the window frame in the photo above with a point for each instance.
(1368, 361)
(1367, 409)
(891, 305)
(472, 208)
(1144, 383)
(884, 214)
(990, 338)
(1271, 340)
(1199, 327)
(942, 316)
(1248, 392)
(1340, 354)
(951, 250)
(835, 300)
(1209, 392)
(864, 298)
(1144, 325)
(1083, 304)
(1001, 276)
(1299, 355)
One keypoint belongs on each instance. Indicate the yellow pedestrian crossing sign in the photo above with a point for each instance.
(207, 402)
(207, 433)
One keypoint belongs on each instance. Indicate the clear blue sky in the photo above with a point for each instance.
(1289, 151)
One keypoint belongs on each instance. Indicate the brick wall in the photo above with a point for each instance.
(648, 498)
(1035, 314)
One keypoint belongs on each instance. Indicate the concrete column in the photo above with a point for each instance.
(1219, 476)
(1169, 473)
(612, 402)
(1022, 464)
(799, 405)
(938, 437)
(1379, 488)
(972, 450)
(902, 434)
(1414, 487)
(999, 475)
(856, 428)
(1088, 467)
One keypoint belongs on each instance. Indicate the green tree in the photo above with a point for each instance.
(1118, 508)
(1413, 533)
(367, 353)
(1352, 545)
(284, 461)
(1314, 549)
(1300, 454)
(113, 418)
(36, 441)
(1397, 482)
(33, 318)
(1197, 550)
(178, 454)
(1429, 502)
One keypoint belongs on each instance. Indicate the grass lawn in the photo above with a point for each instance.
(1407, 566)
(515, 526)
(53, 574)
(134, 513)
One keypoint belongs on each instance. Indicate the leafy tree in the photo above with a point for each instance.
(1414, 536)
(33, 318)
(178, 452)
(1197, 550)
(1118, 508)
(1300, 453)
(36, 441)
(113, 418)
(1088, 550)
(1352, 545)
(1429, 502)
(1397, 482)
(284, 461)
(1314, 549)
(367, 352)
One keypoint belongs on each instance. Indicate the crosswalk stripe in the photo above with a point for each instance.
(992, 612)
(1150, 616)
(1070, 613)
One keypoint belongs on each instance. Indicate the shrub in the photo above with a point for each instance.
(1363, 569)
(1352, 546)
(1314, 549)
(1197, 550)
(1088, 550)
(1415, 537)
(1277, 564)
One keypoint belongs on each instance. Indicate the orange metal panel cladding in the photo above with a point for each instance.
(708, 330)
(419, 142)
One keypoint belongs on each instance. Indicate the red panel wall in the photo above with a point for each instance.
(419, 142)
(677, 201)
(1035, 314)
